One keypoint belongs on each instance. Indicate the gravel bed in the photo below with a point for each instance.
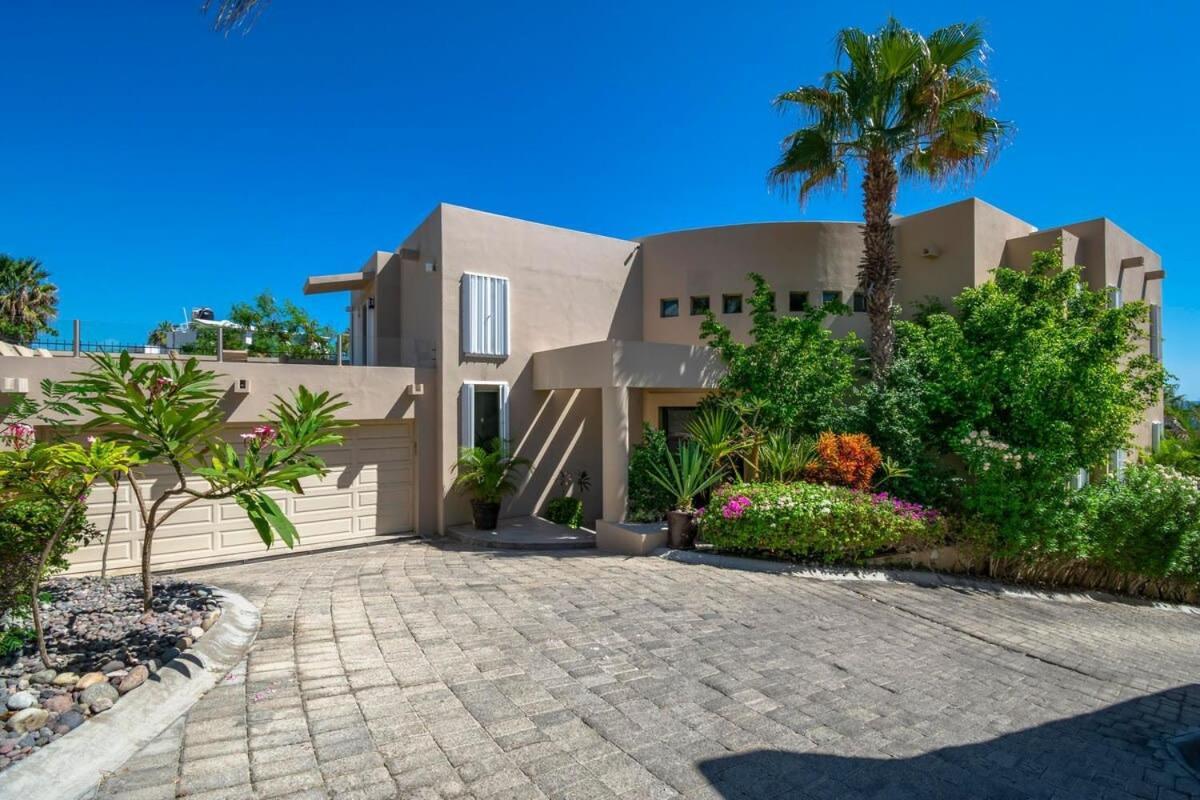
(103, 646)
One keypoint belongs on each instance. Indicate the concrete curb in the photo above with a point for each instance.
(72, 767)
(929, 580)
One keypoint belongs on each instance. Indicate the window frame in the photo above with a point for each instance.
(837, 296)
(858, 302)
(726, 298)
(662, 307)
(466, 432)
(803, 306)
(693, 306)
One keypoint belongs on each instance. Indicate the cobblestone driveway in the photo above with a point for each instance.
(414, 671)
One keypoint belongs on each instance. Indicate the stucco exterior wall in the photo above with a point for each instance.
(565, 287)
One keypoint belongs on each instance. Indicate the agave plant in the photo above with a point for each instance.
(784, 456)
(686, 476)
(488, 474)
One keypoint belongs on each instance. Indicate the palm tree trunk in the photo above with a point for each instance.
(879, 269)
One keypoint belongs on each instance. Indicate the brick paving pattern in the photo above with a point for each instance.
(419, 671)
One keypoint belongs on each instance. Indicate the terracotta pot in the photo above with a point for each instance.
(485, 515)
(681, 529)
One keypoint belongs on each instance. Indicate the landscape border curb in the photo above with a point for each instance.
(73, 767)
(923, 578)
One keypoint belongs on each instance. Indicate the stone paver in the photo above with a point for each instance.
(410, 670)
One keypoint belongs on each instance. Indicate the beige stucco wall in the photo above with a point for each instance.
(565, 287)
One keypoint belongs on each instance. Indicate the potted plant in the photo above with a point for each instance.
(685, 477)
(487, 474)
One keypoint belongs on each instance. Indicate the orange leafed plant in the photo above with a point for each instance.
(845, 459)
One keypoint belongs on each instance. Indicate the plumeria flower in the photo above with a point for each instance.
(19, 434)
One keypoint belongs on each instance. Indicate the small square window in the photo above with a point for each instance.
(830, 297)
(860, 302)
(699, 305)
(797, 301)
(668, 307)
(731, 304)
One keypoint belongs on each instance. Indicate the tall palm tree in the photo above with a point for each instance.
(28, 301)
(899, 105)
(232, 14)
(160, 335)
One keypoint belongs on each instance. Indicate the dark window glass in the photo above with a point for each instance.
(830, 297)
(668, 307)
(487, 416)
(731, 304)
(699, 305)
(860, 302)
(674, 421)
(797, 301)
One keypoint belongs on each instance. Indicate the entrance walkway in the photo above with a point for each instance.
(416, 671)
(525, 533)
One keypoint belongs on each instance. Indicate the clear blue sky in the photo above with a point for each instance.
(152, 164)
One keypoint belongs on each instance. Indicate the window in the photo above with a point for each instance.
(674, 421)
(860, 302)
(484, 316)
(830, 297)
(484, 410)
(699, 305)
(797, 301)
(731, 304)
(668, 307)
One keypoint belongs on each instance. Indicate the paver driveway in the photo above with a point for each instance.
(417, 671)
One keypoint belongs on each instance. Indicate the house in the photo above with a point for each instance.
(563, 343)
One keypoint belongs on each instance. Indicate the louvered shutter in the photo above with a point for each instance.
(1114, 297)
(1156, 435)
(1117, 464)
(484, 316)
(466, 405)
(504, 414)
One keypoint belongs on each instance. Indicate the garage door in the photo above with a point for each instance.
(369, 491)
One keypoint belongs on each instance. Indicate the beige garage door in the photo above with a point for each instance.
(369, 491)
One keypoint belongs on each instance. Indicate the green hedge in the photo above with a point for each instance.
(648, 500)
(565, 511)
(25, 527)
(814, 521)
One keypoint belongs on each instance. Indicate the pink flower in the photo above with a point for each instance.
(18, 434)
(736, 507)
(161, 384)
(265, 433)
(91, 440)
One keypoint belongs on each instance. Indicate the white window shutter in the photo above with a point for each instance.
(1114, 297)
(484, 316)
(1156, 435)
(1080, 480)
(466, 404)
(504, 414)
(1117, 464)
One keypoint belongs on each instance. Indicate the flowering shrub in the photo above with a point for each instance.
(845, 459)
(17, 435)
(812, 521)
(1146, 525)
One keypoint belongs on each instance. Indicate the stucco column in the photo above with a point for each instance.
(614, 431)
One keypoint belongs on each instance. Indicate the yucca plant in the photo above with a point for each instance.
(719, 433)
(783, 456)
(686, 476)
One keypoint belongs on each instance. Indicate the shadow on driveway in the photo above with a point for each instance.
(1119, 752)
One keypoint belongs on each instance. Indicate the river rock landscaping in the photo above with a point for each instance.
(103, 646)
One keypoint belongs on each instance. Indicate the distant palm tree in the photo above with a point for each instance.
(900, 104)
(232, 14)
(161, 334)
(28, 301)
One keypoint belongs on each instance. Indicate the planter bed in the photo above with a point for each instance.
(103, 646)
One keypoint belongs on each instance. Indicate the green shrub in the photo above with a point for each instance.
(648, 501)
(25, 527)
(565, 511)
(1146, 525)
(812, 521)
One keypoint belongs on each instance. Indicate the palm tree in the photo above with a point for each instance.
(161, 334)
(28, 301)
(899, 104)
(233, 14)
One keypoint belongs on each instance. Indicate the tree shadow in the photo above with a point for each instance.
(1120, 751)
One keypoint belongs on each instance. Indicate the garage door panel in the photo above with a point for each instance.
(368, 491)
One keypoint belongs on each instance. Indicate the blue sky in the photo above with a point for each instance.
(152, 164)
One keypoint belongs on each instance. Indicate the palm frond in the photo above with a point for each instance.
(234, 14)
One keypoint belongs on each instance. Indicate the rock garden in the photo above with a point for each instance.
(102, 645)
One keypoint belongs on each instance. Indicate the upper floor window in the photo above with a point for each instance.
(797, 301)
(484, 316)
(699, 304)
(860, 302)
(828, 297)
(731, 304)
(668, 307)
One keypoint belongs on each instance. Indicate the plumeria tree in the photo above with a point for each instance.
(53, 473)
(167, 413)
